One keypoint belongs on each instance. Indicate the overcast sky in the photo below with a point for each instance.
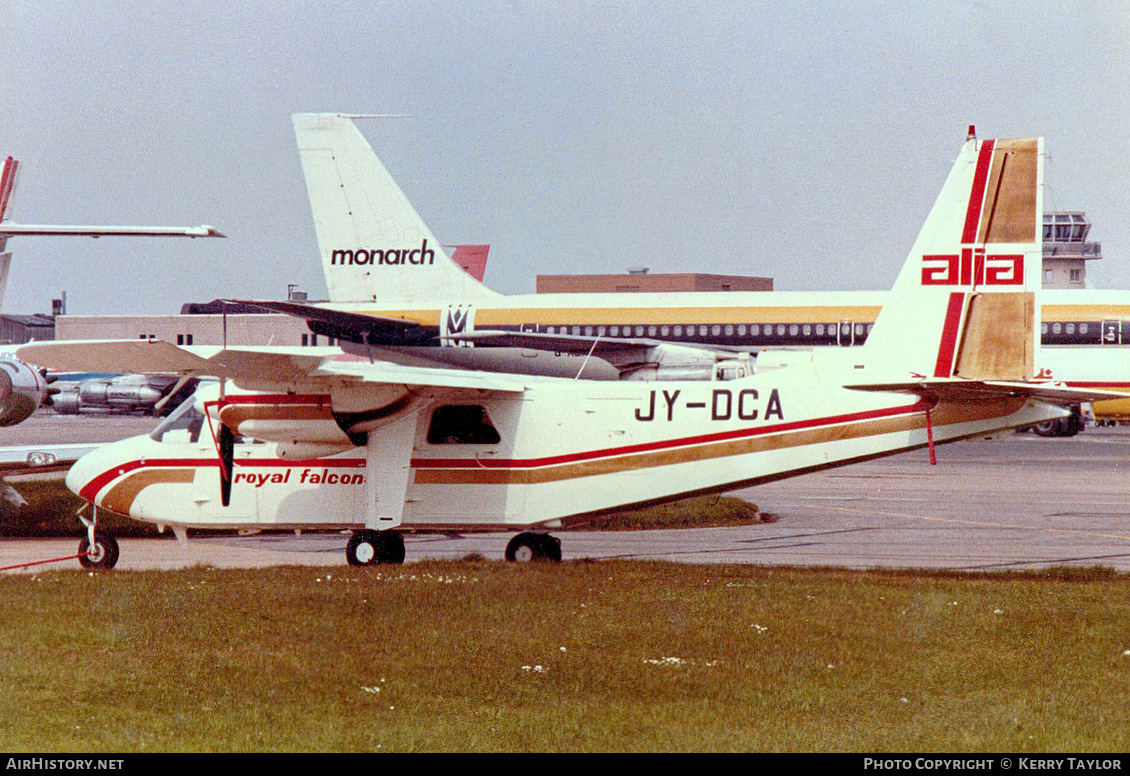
(801, 141)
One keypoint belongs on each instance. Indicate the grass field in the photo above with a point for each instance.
(609, 656)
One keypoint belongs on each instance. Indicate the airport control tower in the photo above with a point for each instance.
(1066, 250)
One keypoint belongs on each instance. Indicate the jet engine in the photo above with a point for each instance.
(22, 391)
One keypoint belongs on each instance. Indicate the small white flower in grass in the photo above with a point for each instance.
(904, 700)
(371, 690)
(998, 611)
(1126, 653)
(563, 649)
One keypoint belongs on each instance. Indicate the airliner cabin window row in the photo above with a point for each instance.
(727, 334)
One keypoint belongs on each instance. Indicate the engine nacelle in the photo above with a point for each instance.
(335, 420)
(681, 362)
(117, 395)
(22, 391)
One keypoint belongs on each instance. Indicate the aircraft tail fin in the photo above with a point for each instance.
(970, 283)
(7, 181)
(373, 243)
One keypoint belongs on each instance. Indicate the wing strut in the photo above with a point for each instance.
(388, 469)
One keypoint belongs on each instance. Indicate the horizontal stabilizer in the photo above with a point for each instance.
(980, 390)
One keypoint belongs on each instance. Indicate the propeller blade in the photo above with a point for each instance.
(227, 459)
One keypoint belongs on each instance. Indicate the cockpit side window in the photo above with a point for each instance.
(462, 424)
(184, 418)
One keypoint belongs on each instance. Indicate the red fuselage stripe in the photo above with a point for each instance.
(96, 484)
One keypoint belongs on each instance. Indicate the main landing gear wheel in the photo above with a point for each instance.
(102, 554)
(530, 547)
(368, 547)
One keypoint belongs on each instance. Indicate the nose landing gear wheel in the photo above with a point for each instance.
(368, 547)
(102, 554)
(531, 547)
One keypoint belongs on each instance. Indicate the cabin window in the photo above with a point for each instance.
(462, 424)
(186, 419)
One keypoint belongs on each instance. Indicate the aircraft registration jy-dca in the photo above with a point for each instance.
(304, 439)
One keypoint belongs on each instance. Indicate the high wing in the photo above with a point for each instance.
(279, 366)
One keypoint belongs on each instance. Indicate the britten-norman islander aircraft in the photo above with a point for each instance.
(303, 439)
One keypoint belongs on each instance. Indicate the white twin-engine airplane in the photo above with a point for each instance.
(304, 439)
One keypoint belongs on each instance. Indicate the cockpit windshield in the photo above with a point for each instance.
(185, 419)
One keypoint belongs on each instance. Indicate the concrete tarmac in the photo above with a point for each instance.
(1022, 502)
